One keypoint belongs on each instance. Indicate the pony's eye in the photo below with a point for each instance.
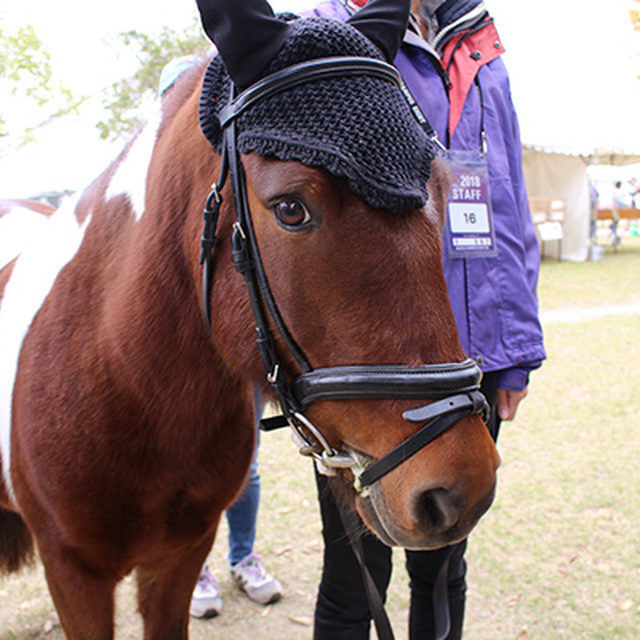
(291, 214)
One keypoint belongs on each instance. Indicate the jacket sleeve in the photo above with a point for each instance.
(523, 329)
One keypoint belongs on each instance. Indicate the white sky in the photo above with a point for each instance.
(573, 67)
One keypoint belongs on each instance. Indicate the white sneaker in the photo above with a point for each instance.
(206, 601)
(251, 576)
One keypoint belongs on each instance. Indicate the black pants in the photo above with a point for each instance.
(342, 610)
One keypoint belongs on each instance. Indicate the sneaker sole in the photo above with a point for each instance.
(274, 598)
(207, 615)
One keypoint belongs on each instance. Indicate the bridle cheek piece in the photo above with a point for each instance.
(452, 388)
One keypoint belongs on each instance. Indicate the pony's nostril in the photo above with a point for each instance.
(435, 509)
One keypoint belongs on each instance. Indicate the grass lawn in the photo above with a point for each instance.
(558, 555)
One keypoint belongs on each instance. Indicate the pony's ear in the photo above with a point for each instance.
(246, 33)
(384, 23)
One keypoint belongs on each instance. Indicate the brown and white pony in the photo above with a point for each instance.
(127, 426)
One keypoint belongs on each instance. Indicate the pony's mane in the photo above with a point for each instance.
(182, 89)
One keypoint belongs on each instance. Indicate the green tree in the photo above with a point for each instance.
(124, 99)
(635, 17)
(27, 84)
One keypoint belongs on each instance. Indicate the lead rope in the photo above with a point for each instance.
(440, 602)
(441, 614)
(376, 606)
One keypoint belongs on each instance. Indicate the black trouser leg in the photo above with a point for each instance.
(423, 568)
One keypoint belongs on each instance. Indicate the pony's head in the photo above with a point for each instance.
(339, 206)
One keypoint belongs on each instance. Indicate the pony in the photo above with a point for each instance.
(126, 417)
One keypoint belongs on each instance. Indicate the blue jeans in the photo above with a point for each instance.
(242, 515)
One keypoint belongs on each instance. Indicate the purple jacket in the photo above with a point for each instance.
(494, 300)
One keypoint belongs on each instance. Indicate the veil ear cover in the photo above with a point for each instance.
(358, 128)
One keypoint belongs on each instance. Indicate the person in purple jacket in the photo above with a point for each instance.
(451, 62)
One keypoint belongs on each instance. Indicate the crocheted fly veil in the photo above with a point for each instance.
(359, 128)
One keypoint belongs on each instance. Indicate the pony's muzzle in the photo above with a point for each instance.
(445, 514)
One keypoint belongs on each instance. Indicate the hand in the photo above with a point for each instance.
(508, 402)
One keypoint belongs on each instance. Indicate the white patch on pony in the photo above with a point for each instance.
(46, 252)
(16, 228)
(130, 178)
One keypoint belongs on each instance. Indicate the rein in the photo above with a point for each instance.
(453, 388)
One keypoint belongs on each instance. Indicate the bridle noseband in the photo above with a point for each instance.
(453, 388)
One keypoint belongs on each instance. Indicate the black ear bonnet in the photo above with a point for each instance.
(358, 128)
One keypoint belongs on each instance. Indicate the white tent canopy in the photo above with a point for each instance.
(553, 174)
(556, 175)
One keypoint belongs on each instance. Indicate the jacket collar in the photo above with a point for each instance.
(463, 21)
(450, 12)
(472, 50)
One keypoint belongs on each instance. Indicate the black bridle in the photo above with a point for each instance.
(452, 388)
